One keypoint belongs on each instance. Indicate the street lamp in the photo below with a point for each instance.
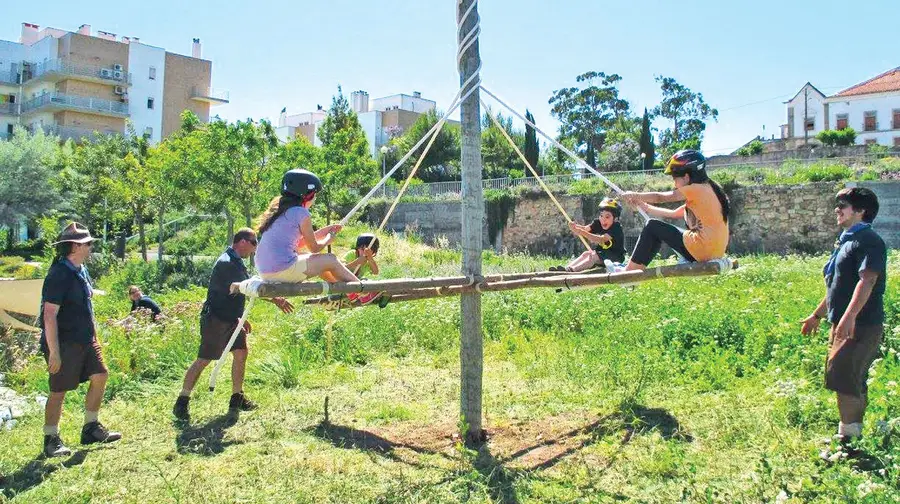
(643, 162)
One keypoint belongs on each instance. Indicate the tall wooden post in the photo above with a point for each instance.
(471, 345)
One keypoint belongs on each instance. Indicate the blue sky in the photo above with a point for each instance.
(745, 57)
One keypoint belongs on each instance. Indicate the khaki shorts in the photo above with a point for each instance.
(79, 363)
(295, 273)
(849, 360)
(214, 335)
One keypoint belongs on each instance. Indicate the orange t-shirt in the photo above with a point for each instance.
(707, 234)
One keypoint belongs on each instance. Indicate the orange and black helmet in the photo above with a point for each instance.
(612, 206)
(687, 161)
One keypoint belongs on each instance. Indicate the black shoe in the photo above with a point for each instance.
(54, 447)
(240, 402)
(557, 268)
(95, 432)
(180, 410)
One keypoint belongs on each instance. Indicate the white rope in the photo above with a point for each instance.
(563, 148)
(250, 287)
(234, 334)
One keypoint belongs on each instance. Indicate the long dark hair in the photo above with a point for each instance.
(702, 178)
(277, 207)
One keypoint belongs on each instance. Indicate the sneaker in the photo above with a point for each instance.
(240, 402)
(181, 410)
(54, 447)
(95, 432)
(363, 299)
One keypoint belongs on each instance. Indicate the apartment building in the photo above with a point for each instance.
(82, 83)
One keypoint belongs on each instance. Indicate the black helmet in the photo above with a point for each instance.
(611, 205)
(368, 240)
(300, 183)
(687, 161)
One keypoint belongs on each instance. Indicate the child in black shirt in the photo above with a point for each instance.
(605, 232)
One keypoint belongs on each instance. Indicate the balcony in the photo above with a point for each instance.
(9, 77)
(77, 134)
(59, 69)
(9, 109)
(52, 102)
(209, 95)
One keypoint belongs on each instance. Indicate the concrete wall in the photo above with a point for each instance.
(141, 58)
(765, 219)
(182, 74)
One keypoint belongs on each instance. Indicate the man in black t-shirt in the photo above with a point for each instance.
(855, 279)
(139, 300)
(606, 235)
(69, 341)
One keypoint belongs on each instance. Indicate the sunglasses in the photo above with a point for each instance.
(842, 205)
(253, 242)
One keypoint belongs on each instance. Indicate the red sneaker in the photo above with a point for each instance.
(363, 299)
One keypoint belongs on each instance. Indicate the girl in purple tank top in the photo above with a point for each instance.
(286, 228)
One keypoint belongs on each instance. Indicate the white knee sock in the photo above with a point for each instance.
(850, 430)
(51, 430)
(90, 416)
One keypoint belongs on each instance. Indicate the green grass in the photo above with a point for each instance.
(690, 390)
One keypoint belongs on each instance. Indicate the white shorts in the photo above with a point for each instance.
(295, 273)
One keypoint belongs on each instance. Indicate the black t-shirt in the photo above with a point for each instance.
(229, 268)
(146, 303)
(70, 288)
(864, 251)
(616, 251)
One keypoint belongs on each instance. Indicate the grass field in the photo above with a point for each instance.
(690, 390)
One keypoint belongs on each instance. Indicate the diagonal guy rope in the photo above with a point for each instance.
(534, 173)
(563, 148)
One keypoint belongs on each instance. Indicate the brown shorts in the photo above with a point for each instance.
(214, 335)
(79, 362)
(848, 363)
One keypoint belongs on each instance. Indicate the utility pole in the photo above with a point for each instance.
(805, 114)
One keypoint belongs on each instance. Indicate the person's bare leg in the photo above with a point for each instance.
(317, 264)
(96, 388)
(238, 368)
(634, 266)
(192, 375)
(53, 409)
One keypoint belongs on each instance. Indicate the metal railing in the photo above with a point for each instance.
(9, 108)
(9, 77)
(75, 102)
(76, 134)
(208, 93)
(65, 67)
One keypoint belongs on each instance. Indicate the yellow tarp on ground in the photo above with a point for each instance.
(21, 296)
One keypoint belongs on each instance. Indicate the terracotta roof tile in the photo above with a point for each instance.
(886, 82)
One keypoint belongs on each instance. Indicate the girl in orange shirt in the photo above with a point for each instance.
(705, 211)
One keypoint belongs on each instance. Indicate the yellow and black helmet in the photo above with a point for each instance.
(686, 161)
(611, 205)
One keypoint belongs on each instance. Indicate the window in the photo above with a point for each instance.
(896, 142)
(896, 124)
(152, 73)
(870, 123)
(9, 131)
(871, 141)
(842, 121)
(810, 123)
(148, 132)
(150, 103)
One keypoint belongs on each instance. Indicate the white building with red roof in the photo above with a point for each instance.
(872, 108)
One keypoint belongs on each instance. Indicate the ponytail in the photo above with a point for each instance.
(722, 197)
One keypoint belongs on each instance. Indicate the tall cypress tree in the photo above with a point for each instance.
(532, 150)
(647, 146)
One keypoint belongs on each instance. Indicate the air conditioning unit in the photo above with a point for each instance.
(106, 73)
(118, 74)
(119, 90)
(117, 67)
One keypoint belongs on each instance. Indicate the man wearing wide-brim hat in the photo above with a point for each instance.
(69, 340)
